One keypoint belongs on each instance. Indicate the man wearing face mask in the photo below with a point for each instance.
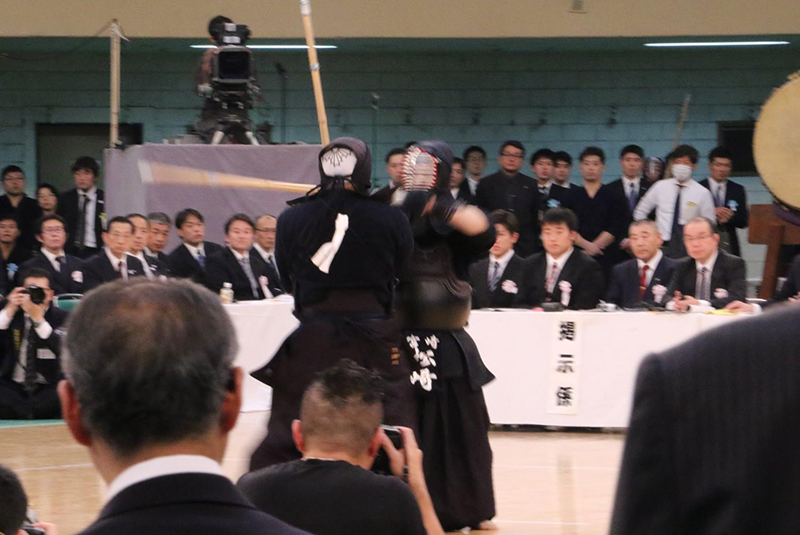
(677, 200)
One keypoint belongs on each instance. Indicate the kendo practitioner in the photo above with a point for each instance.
(338, 251)
(433, 304)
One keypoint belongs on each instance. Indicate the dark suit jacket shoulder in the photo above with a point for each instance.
(222, 267)
(67, 281)
(98, 269)
(582, 272)
(200, 504)
(182, 264)
(728, 275)
(623, 288)
(709, 420)
(507, 288)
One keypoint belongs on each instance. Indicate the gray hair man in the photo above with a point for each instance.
(152, 392)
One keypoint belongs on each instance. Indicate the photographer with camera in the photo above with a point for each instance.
(30, 366)
(331, 490)
(14, 515)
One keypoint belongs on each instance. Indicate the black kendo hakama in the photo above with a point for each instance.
(433, 303)
(340, 252)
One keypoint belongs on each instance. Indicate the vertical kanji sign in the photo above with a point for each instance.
(565, 365)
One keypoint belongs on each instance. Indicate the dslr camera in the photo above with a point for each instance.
(37, 294)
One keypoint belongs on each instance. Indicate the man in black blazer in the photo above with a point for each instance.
(153, 267)
(24, 209)
(263, 252)
(789, 291)
(234, 265)
(66, 271)
(30, 365)
(188, 260)
(711, 444)
(632, 281)
(152, 392)
(12, 253)
(393, 193)
(510, 190)
(113, 261)
(83, 208)
(160, 226)
(730, 199)
(630, 185)
(561, 273)
(709, 276)
(495, 280)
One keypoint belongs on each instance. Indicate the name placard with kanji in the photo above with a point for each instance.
(563, 393)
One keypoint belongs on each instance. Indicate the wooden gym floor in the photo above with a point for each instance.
(545, 482)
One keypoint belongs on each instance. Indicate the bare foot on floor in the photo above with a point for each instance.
(487, 525)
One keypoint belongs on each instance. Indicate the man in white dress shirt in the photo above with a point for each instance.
(676, 201)
(151, 391)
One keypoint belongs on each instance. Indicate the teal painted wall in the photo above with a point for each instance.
(558, 99)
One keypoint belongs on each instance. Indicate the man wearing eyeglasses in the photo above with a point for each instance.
(263, 252)
(66, 271)
(709, 276)
(508, 189)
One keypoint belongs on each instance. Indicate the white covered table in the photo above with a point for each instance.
(534, 368)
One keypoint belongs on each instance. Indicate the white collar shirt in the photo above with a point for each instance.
(502, 261)
(89, 237)
(116, 262)
(652, 265)
(53, 258)
(162, 466)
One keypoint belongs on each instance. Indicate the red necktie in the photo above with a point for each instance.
(643, 281)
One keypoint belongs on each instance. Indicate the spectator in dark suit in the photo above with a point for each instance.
(551, 195)
(24, 209)
(188, 260)
(495, 280)
(233, 265)
(561, 273)
(30, 368)
(113, 261)
(475, 162)
(730, 199)
(152, 392)
(83, 208)
(331, 491)
(709, 276)
(510, 190)
(47, 197)
(630, 187)
(263, 252)
(160, 227)
(66, 271)
(153, 267)
(632, 281)
(459, 188)
(712, 435)
(12, 253)
(393, 192)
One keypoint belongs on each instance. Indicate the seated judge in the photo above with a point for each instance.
(188, 260)
(160, 227)
(152, 392)
(233, 265)
(66, 271)
(788, 292)
(495, 280)
(331, 490)
(30, 365)
(632, 281)
(113, 261)
(262, 255)
(709, 276)
(561, 273)
(153, 267)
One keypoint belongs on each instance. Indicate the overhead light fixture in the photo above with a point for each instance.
(717, 43)
(275, 47)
